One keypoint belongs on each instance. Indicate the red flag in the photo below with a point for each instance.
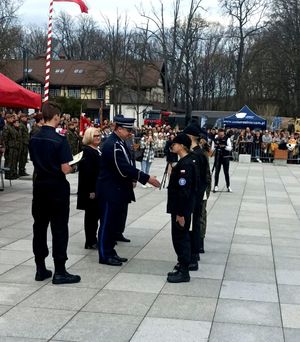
(83, 6)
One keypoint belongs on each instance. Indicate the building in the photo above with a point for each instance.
(140, 88)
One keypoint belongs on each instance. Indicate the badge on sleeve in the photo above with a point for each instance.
(182, 181)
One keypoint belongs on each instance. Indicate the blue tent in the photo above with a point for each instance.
(245, 117)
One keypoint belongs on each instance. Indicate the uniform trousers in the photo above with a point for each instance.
(203, 220)
(23, 159)
(219, 162)
(91, 218)
(51, 204)
(111, 222)
(195, 233)
(181, 240)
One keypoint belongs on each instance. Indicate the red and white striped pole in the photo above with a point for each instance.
(48, 55)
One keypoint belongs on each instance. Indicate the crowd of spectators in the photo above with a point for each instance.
(260, 144)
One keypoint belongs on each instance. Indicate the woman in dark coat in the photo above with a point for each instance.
(89, 167)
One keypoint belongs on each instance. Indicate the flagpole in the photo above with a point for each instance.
(48, 54)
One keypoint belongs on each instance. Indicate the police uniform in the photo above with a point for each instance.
(222, 148)
(51, 195)
(115, 190)
(181, 199)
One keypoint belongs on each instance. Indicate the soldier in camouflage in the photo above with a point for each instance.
(10, 139)
(24, 145)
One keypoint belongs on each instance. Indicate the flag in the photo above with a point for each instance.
(84, 123)
(83, 6)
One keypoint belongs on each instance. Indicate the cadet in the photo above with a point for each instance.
(194, 131)
(222, 147)
(50, 154)
(181, 198)
(23, 154)
(10, 138)
(115, 184)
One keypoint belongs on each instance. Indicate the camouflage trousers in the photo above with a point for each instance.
(11, 156)
(23, 159)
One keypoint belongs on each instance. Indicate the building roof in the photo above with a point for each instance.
(76, 72)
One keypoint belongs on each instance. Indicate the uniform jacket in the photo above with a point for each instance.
(182, 186)
(88, 168)
(204, 175)
(117, 172)
(10, 136)
(24, 134)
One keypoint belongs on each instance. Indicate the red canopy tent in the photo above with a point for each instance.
(14, 95)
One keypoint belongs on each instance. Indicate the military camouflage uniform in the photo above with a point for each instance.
(24, 134)
(11, 142)
(73, 140)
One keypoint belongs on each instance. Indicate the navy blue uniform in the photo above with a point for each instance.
(114, 191)
(51, 194)
(181, 199)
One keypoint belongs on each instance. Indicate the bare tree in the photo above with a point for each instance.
(246, 20)
(10, 31)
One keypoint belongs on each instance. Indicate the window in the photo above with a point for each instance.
(59, 71)
(78, 71)
(29, 70)
(54, 92)
(100, 94)
(74, 93)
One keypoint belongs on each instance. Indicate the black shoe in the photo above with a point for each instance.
(65, 278)
(94, 246)
(42, 274)
(179, 277)
(120, 258)
(175, 271)
(111, 262)
(122, 238)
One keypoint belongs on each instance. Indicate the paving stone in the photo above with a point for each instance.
(171, 330)
(121, 302)
(4, 308)
(288, 277)
(248, 312)
(136, 282)
(182, 307)
(156, 267)
(5, 267)
(292, 335)
(206, 288)
(22, 322)
(252, 261)
(12, 294)
(290, 315)
(208, 271)
(289, 294)
(226, 332)
(14, 257)
(248, 274)
(99, 327)
(60, 297)
(249, 291)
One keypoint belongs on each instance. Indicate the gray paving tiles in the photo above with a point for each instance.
(247, 288)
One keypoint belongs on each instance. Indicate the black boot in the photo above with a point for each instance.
(180, 276)
(41, 272)
(61, 276)
(202, 246)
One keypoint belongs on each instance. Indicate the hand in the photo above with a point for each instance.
(180, 220)
(154, 181)
(92, 195)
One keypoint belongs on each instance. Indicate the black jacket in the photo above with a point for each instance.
(88, 168)
(183, 186)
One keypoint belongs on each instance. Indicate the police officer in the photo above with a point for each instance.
(50, 154)
(203, 173)
(181, 198)
(222, 147)
(115, 184)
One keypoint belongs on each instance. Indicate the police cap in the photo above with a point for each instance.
(121, 121)
(193, 129)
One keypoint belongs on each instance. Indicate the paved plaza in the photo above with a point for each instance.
(247, 288)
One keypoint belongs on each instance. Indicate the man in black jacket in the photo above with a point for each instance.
(117, 178)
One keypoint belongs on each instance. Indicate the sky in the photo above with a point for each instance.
(36, 11)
